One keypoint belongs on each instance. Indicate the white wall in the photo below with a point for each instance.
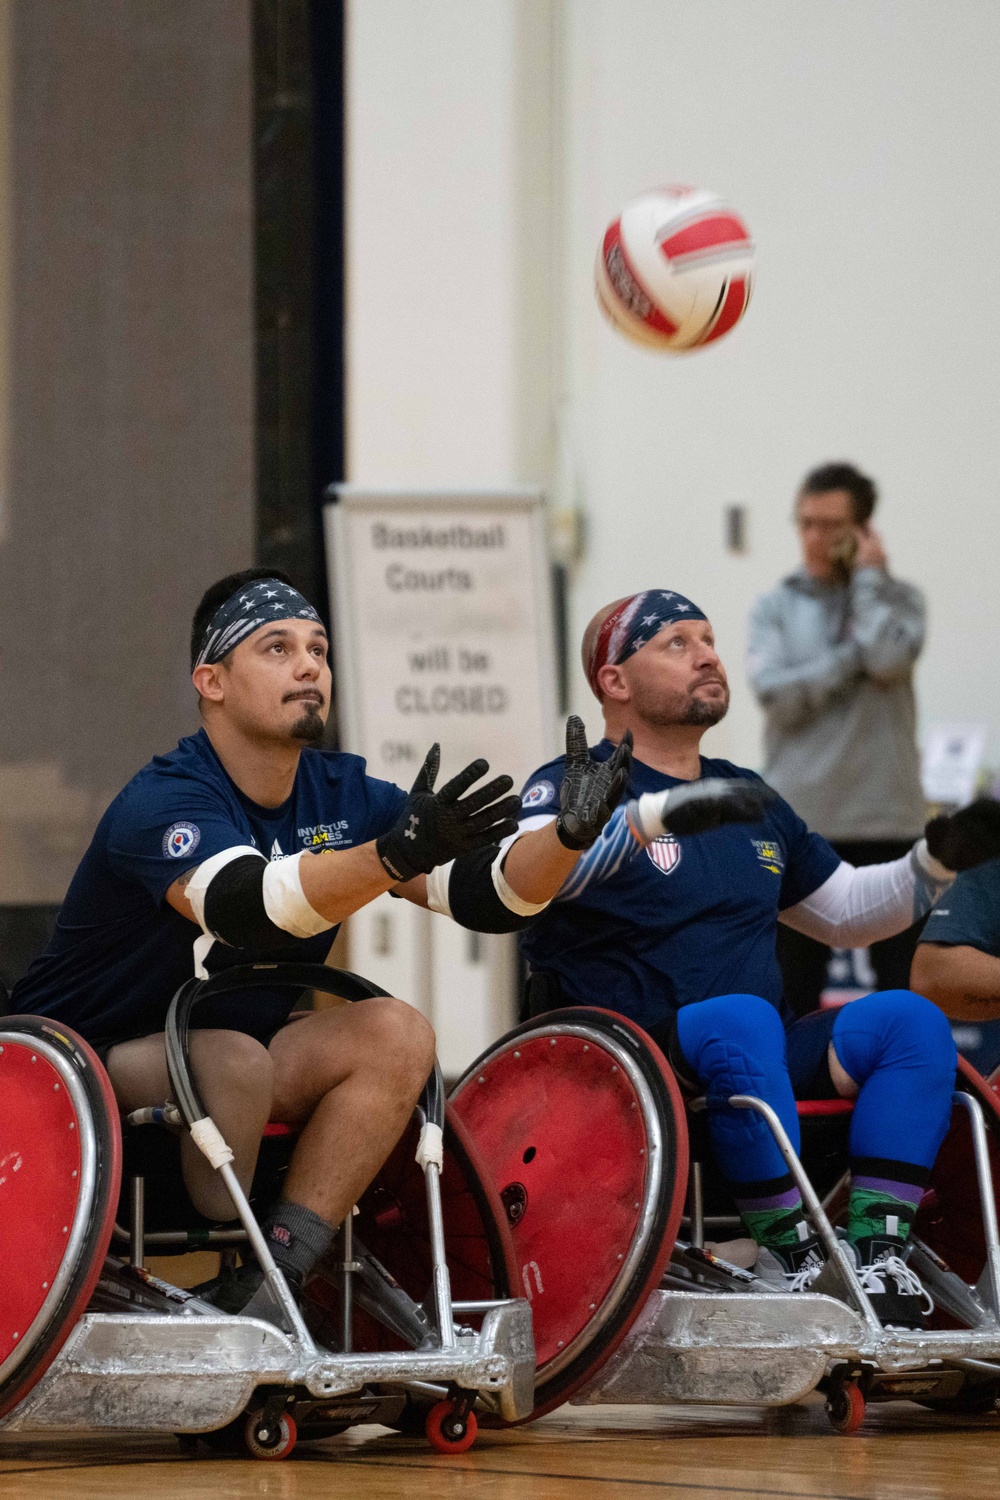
(448, 347)
(490, 142)
(857, 139)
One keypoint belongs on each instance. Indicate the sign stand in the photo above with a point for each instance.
(441, 602)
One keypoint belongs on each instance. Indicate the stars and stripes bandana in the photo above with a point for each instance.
(259, 603)
(633, 624)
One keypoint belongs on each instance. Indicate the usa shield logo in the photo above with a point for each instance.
(665, 852)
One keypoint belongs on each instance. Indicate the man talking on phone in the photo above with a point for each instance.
(831, 654)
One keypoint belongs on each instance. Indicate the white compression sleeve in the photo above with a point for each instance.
(857, 906)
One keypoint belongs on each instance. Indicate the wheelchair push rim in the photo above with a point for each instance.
(577, 1116)
(60, 1171)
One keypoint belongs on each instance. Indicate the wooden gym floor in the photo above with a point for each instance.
(901, 1453)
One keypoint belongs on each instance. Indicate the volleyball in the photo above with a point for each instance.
(674, 270)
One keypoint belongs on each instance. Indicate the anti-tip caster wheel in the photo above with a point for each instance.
(448, 1431)
(846, 1408)
(272, 1439)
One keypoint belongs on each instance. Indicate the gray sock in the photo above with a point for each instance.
(297, 1238)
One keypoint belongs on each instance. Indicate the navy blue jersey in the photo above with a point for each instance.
(969, 913)
(645, 931)
(120, 951)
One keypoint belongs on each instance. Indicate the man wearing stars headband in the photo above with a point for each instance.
(252, 846)
(669, 916)
(246, 844)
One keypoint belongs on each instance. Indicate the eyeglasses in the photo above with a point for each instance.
(813, 523)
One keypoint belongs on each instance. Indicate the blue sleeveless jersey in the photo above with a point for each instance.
(119, 952)
(645, 931)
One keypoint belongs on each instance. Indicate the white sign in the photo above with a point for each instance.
(443, 628)
(952, 758)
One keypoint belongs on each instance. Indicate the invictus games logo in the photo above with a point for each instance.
(181, 839)
(665, 852)
(770, 855)
(538, 795)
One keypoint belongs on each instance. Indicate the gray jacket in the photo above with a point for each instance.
(832, 667)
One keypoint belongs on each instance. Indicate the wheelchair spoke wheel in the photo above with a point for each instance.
(578, 1119)
(60, 1169)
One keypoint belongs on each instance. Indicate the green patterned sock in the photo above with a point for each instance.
(878, 1213)
(777, 1228)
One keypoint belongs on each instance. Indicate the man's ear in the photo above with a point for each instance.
(611, 681)
(208, 682)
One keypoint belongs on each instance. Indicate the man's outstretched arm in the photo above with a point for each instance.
(247, 901)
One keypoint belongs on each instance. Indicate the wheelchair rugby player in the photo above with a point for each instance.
(253, 845)
(661, 903)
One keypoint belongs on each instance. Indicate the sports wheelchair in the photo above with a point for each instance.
(610, 1191)
(409, 1321)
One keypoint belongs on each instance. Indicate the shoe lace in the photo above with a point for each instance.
(907, 1282)
(798, 1281)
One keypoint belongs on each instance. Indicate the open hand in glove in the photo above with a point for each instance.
(590, 789)
(966, 838)
(698, 806)
(435, 827)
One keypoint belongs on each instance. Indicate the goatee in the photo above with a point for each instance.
(310, 726)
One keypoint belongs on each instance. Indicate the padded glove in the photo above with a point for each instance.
(697, 807)
(966, 838)
(435, 827)
(590, 790)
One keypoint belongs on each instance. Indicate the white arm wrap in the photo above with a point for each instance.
(437, 888)
(204, 875)
(285, 901)
(510, 898)
(860, 906)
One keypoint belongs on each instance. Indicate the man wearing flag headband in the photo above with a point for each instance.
(661, 900)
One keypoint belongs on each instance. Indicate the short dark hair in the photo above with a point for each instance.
(217, 595)
(841, 476)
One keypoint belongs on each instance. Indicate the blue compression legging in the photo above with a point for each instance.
(896, 1046)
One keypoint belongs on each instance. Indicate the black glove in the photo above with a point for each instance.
(966, 838)
(590, 790)
(698, 806)
(435, 827)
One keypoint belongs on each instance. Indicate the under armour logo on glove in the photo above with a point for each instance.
(411, 829)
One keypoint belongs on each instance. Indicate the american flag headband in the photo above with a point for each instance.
(259, 603)
(633, 624)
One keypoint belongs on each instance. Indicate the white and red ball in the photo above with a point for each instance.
(674, 271)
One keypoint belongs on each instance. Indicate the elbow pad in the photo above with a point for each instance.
(252, 902)
(478, 896)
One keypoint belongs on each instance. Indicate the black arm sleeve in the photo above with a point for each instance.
(234, 907)
(472, 895)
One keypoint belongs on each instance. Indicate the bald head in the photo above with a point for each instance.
(591, 637)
